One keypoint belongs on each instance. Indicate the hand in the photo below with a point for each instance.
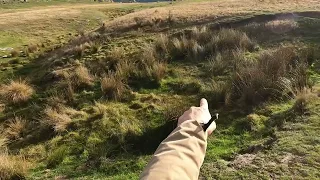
(200, 114)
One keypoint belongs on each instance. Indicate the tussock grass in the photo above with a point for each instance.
(70, 80)
(225, 62)
(13, 167)
(303, 100)
(281, 26)
(60, 116)
(15, 128)
(232, 39)
(3, 143)
(113, 87)
(59, 121)
(151, 65)
(14, 53)
(99, 109)
(81, 77)
(115, 56)
(124, 68)
(276, 74)
(95, 47)
(156, 71)
(199, 44)
(78, 51)
(16, 92)
(32, 48)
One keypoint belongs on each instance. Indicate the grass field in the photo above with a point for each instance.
(89, 90)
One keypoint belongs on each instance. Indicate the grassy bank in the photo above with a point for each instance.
(95, 105)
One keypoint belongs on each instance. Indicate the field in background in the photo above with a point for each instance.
(89, 90)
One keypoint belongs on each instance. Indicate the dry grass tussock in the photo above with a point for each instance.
(115, 60)
(99, 109)
(82, 76)
(60, 116)
(15, 128)
(16, 92)
(113, 86)
(199, 44)
(281, 26)
(13, 167)
(276, 74)
(225, 62)
(32, 48)
(302, 100)
(152, 64)
(3, 143)
(14, 53)
(262, 31)
(73, 78)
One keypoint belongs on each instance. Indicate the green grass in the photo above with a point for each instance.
(108, 142)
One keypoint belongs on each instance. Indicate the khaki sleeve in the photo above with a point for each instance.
(180, 155)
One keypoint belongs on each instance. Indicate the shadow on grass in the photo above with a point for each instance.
(148, 142)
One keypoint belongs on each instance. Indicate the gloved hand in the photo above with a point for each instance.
(200, 114)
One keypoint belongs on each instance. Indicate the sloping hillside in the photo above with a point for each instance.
(96, 104)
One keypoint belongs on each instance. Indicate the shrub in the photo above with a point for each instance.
(16, 92)
(15, 128)
(14, 53)
(113, 87)
(13, 167)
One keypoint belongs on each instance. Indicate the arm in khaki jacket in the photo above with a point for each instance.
(181, 154)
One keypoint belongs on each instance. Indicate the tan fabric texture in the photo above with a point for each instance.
(180, 155)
